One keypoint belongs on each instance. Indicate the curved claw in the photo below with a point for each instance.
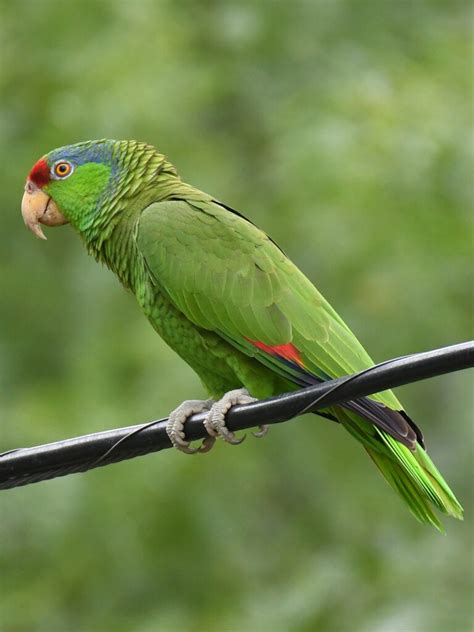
(230, 437)
(207, 444)
(262, 432)
(183, 446)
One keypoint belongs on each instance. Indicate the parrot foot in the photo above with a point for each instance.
(215, 421)
(177, 419)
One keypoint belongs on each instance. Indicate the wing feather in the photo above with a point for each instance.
(226, 275)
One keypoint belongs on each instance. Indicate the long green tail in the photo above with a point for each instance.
(412, 475)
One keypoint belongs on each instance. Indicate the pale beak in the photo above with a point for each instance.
(38, 208)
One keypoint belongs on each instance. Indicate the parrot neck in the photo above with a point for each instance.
(142, 176)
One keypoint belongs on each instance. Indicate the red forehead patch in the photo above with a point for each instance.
(40, 173)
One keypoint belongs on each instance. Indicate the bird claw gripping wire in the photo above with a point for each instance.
(177, 419)
(215, 421)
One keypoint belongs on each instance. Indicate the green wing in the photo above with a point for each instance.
(226, 275)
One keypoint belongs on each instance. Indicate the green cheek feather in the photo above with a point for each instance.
(79, 195)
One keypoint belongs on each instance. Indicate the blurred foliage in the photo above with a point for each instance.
(343, 129)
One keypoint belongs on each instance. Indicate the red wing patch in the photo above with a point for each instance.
(40, 173)
(287, 352)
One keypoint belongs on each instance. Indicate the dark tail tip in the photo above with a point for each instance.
(396, 423)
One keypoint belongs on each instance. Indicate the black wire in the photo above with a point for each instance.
(22, 466)
(129, 435)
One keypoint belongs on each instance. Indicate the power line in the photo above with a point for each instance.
(23, 466)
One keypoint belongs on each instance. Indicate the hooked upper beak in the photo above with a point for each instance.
(38, 208)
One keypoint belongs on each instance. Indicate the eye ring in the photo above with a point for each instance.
(62, 169)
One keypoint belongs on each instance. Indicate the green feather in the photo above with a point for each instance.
(210, 282)
(298, 313)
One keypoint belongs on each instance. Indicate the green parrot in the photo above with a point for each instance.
(224, 296)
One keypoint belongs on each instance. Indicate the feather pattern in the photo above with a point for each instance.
(225, 297)
(246, 290)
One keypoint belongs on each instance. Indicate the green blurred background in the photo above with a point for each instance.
(343, 129)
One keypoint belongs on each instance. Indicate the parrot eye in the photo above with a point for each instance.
(62, 169)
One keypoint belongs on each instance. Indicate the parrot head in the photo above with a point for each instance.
(67, 185)
(84, 184)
